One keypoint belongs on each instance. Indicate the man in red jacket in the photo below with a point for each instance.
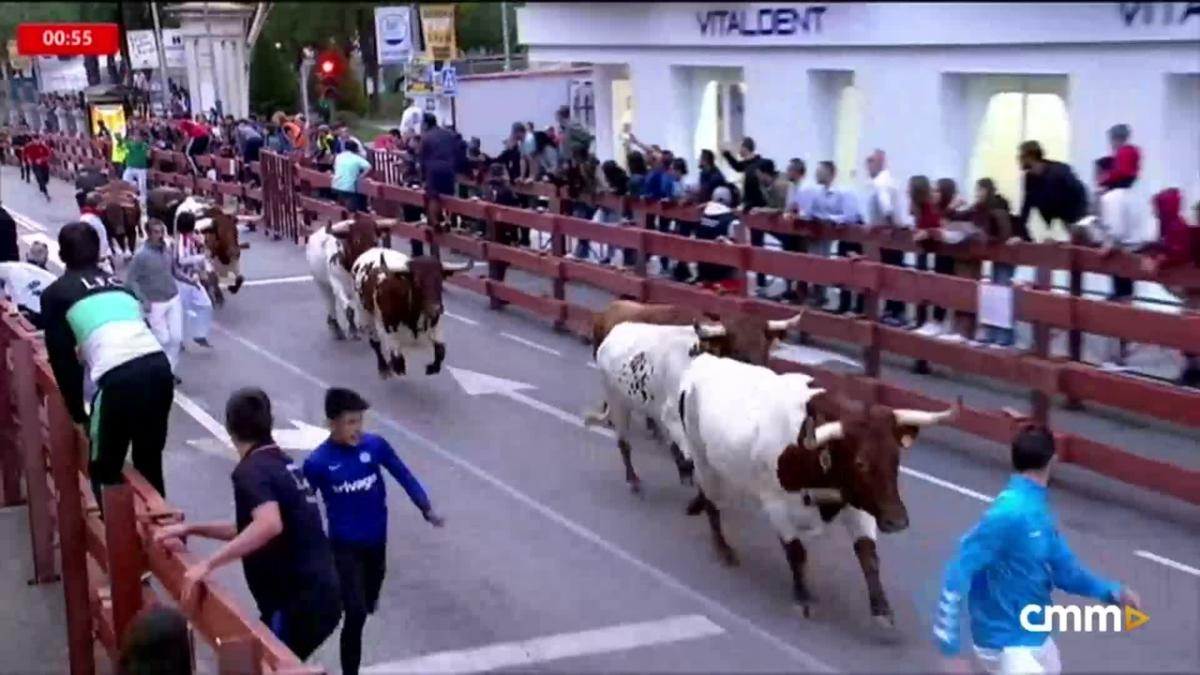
(37, 155)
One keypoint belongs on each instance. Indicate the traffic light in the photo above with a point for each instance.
(330, 65)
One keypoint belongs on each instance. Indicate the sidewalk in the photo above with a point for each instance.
(33, 622)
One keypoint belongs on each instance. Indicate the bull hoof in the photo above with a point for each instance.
(237, 284)
(686, 480)
(338, 333)
(696, 506)
(807, 609)
(885, 626)
(433, 369)
(635, 486)
(384, 373)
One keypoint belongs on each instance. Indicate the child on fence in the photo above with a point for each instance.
(345, 470)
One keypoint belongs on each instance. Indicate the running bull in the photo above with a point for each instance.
(807, 456)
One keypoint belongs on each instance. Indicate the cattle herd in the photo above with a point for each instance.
(734, 426)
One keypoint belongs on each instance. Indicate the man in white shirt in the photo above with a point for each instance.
(882, 210)
(22, 284)
(410, 120)
(840, 208)
(89, 212)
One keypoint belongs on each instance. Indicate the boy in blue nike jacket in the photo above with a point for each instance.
(1014, 557)
(345, 469)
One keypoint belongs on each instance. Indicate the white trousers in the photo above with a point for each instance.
(197, 311)
(1021, 660)
(138, 178)
(166, 322)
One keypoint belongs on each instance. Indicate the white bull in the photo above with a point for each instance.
(323, 252)
(769, 436)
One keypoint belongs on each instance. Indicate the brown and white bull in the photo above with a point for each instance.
(401, 298)
(221, 243)
(807, 456)
(641, 366)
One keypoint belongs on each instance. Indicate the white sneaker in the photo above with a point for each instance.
(951, 337)
(930, 329)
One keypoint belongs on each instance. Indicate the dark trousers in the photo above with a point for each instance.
(360, 569)
(411, 215)
(895, 258)
(26, 172)
(41, 172)
(308, 620)
(942, 264)
(130, 409)
(845, 248)
(354, 201)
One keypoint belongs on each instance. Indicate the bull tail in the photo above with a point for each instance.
(597, 417)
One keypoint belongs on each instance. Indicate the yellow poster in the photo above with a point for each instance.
(437, 24)
(418, 79)
(113, 116)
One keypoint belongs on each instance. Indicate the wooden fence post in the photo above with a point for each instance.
(1040, 401)
(239, 656)
(29, 434)
(125, 561)
(64, 461)
(10, 454)
(558, 248)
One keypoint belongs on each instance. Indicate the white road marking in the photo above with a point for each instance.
(456, 317)
(808, 661)
(618, 638)
(1168, 562)
(279, 280)
(531, 344)
(811, 356)
(968, 492)
(479, 384)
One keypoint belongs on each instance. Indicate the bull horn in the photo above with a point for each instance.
(450, 268)
(708, 331)
(826, 433)
(784, 325)
(342, 227)
(922, 418)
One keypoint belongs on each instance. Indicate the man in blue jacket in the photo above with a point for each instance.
(345, 470)
(1015, 557)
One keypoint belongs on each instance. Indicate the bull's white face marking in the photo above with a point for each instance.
(826, 460)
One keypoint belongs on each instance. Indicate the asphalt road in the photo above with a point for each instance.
(549, 562)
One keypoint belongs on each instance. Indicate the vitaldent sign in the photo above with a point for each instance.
(760, 23)
(1075, 619)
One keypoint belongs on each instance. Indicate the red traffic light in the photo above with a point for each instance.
(327, 67)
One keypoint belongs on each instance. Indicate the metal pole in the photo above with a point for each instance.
(162, 60)
(305, 68)
(504, 27)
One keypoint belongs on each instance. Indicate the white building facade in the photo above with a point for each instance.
(947, 90)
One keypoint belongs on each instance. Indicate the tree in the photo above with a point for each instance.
(272, 81)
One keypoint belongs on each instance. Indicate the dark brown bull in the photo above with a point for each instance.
(121, 213)
(163, 203)
(852, 450)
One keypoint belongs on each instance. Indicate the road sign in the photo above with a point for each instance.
(449, 81)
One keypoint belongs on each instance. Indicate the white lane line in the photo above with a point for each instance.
(553, 647)
(278, 280)
(531, 344)
(809, 662)
(1147, 555)
(968, 492)
(456, 317)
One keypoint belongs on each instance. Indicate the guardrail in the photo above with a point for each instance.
(103, 559)
(1044, 375)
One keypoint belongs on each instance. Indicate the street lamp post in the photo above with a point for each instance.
(306, 66)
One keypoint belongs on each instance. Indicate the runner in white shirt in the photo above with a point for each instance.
(89, 212)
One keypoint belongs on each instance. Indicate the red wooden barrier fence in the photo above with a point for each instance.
(102, 560)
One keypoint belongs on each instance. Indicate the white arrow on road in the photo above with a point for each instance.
(303, 436)
(479, 384)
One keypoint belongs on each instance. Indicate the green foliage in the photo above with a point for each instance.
(273, 84)
(352, 97)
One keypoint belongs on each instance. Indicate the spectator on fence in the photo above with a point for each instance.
(512, 157)
(157, 642)
(89, 212)
(777, 189)
(137, 162)
(249, 141)
(616, 183)
(348, 168)
(358, 516)
(883, 210)
(342, 132)
(440, 157)
(748, 163)
(297, 131)
(324, 146)
(151, 279)
(717, 221)
(545, 160)
(389, 141)
(709, 178)
(574, 137)
(1126, 160)
(9, 250)
(23, 284)
(277, 140)
(411, 120)
(992, 215)
(580, 174)
(37, 153)
(838, 207)
(197, 135)
(1050, 187)
(955, 226)
(927, 219)
(799, 205)
(277, 534)
(1178, 245)
(94, 323)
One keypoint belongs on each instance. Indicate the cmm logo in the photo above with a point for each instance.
(1075, 619)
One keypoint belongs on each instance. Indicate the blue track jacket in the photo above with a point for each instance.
(1012, 558)
(352, 485)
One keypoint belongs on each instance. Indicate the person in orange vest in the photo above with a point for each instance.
(295, 130)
